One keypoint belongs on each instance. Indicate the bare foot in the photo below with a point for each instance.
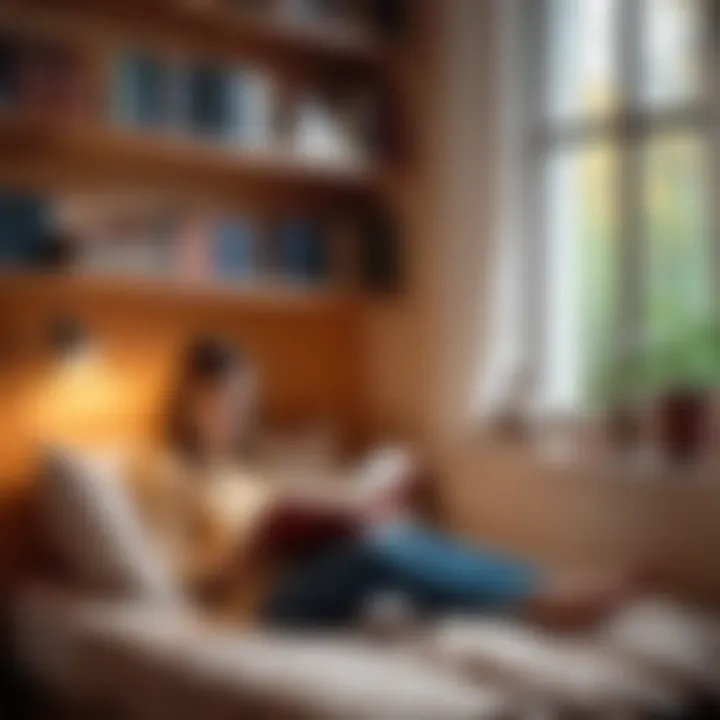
(577, 604)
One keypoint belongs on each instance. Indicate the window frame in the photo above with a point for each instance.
(629, 128)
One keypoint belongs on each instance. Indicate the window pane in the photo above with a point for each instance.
(582, 57)
(672, 50)
(582, 228)
(677, 229)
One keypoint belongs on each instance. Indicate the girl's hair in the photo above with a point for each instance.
(206, 360)
(210, 359)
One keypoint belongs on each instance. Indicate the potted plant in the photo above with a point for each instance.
(677, 379)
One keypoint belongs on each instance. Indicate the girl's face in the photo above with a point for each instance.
(223, 411)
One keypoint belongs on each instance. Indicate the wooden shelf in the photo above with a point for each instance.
(258, 296)
(224, 32)
(45, 154)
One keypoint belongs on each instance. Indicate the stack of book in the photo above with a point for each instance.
(198, 245)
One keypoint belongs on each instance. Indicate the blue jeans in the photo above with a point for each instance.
(434, 572)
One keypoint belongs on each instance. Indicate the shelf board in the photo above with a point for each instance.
(47, 153)
(226, 32)
(249, 296)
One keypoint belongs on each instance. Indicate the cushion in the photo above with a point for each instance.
(576, 672)
(174, 664)
(94, 529)
(681, 641)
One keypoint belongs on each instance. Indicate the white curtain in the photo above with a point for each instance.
(531, 362)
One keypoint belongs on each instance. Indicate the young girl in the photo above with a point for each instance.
(209, 508)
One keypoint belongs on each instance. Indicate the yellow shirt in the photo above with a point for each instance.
(202, 518)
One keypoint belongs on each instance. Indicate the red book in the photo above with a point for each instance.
(194, 253)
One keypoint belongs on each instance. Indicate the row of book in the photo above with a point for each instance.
(198, 247)
(36, 233)
(237, 106)
(222, 248)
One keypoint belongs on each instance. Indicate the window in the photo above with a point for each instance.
(613, 181)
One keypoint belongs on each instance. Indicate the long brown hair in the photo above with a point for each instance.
(206, 360)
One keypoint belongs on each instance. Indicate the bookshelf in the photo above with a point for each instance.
(325, 352)
(202, 64)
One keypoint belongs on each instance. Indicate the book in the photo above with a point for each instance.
(142, 90)
(235, 249)
(209, 96)
(194, 252)
(251, 109)
(23, 229)
(302, 250)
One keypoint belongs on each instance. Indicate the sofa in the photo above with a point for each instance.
(112, 632)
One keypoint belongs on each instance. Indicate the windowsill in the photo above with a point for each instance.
(642, 466)
(582, 453)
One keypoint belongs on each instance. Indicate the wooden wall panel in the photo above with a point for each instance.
(307, 357)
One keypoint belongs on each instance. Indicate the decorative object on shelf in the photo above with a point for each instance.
(319, 133)
(302, 250)
(142, 92)
(684, 419)
(335, 123)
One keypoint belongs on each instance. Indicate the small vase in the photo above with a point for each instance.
(683, 419)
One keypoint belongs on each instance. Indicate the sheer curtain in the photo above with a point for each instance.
(531, 367)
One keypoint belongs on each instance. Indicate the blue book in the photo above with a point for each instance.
(302, 249)
(251, 112)
(141, 91)
(210, 101)
(23, 229)
(235, 249)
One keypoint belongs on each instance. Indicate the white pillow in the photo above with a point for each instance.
(95, 529)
